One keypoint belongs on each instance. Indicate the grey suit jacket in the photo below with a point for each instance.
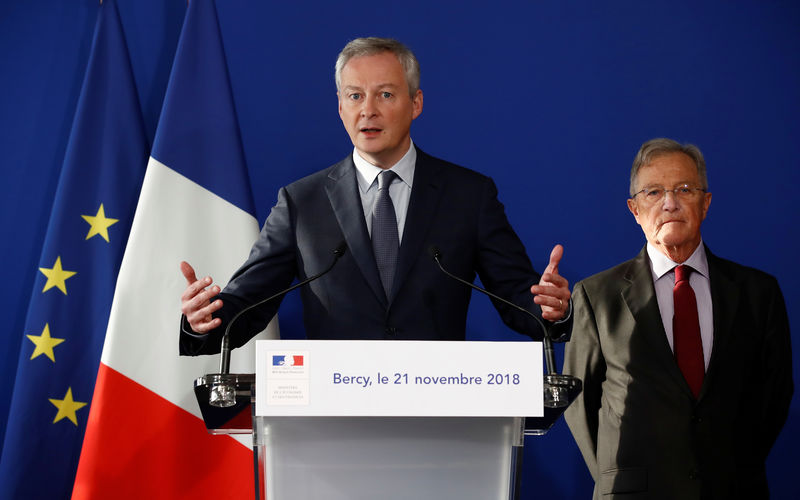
(637, 424)
(451, 207)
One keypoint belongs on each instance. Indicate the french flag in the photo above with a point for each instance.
(287, 360)
(145, 437)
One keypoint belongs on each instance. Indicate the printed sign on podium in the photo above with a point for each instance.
(398, 378)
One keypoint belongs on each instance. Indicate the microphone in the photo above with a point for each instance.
(224, 396)
(556, 386)
(548, 343)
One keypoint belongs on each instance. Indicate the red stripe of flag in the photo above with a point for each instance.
(167, 448)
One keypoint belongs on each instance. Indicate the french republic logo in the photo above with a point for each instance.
(284, 360)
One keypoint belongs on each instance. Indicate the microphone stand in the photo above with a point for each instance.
(223, 391)
(556, 386)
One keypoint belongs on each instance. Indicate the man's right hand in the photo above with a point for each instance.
(196, 302)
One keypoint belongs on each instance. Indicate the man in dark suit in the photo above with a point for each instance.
(687, 384)
(390, 203)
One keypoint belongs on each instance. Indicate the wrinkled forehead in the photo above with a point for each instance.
(668, 169)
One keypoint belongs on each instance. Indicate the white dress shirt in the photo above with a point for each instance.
(399, 190)
(662, 268)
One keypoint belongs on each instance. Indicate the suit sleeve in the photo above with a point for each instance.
(584, 359)
(776, 363)
(269, 269)
(505, 269)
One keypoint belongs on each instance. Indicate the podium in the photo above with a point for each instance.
(302, 452)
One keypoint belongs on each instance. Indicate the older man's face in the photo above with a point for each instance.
(671, 224)
(376, 108)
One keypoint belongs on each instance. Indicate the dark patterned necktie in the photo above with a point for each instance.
(686, 331)
(385, 240)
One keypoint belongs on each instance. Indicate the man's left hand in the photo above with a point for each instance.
(552, 292)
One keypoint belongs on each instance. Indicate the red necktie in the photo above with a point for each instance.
(686, 331)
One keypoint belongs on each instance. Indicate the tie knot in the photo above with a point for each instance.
(385, 178)
(682, 273)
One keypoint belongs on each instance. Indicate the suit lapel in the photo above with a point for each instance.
(422, 205)
(342, 190)
(640, 297)
(725, 303)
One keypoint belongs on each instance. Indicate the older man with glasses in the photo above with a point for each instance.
(685, 357)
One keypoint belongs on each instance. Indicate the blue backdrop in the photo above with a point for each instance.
(551, 98)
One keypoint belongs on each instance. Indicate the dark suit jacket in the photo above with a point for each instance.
(640, 430)
(451, 207)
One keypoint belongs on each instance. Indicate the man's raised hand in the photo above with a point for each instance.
(196, 302)
(552, 292)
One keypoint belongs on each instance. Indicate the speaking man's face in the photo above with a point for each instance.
(376, 108)
(672, 223)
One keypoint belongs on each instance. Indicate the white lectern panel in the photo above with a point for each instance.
(388, 458)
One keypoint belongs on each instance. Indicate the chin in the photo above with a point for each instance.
(369, 147)
(674, 243)
(673, 237)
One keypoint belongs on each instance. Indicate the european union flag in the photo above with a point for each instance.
(86, 236)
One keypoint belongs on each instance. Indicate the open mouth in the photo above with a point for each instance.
(368, 130)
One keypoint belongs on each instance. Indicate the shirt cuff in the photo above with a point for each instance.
(567, 315)
(186, 329)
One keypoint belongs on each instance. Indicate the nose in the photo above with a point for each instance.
(368, 108)
(670, 202)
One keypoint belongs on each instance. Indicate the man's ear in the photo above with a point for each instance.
(416, 102)
(706, 203)
(634, 208)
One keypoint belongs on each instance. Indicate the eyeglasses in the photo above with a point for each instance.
(654, 194)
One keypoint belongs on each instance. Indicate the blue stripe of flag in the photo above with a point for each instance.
(198, 132)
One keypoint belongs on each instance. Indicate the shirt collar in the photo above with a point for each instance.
(367, 172)
(660, 264)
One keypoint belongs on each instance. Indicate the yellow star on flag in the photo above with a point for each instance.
(99, 223)
(67, 407)
(44, 343)
(56, 276)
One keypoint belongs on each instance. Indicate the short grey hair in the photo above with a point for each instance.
(371, 46)
(654, 148)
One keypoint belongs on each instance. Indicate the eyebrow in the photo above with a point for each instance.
(679, 183)
(379, 86)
